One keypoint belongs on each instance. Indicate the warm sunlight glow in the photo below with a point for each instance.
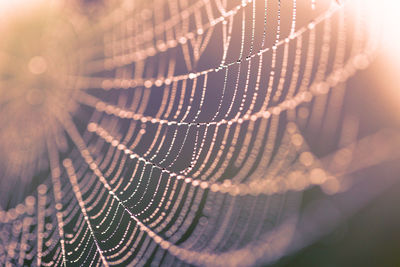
(385, 15)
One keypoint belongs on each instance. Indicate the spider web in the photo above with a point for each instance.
(188, 144)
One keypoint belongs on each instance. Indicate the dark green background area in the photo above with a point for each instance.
(370, 238)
